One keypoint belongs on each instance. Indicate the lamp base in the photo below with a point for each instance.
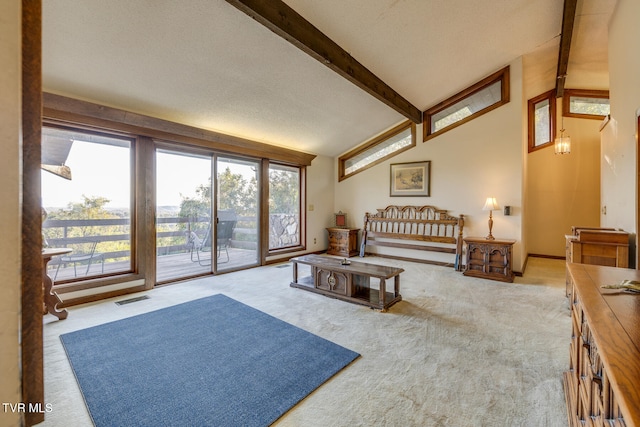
(490, 236)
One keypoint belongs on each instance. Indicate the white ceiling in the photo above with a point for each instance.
(206, 64)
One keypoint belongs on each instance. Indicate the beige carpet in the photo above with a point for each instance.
(457, 351)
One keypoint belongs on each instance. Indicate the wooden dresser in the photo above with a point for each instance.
(489, 259)
(602, 384)
(343, 241)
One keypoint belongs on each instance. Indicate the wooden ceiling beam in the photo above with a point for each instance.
(568, 18)
(288, 24)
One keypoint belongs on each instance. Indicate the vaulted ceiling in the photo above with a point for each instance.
(207, 64)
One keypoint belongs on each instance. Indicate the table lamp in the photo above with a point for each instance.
(490, 205)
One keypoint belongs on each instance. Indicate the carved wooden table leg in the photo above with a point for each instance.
(51, 299)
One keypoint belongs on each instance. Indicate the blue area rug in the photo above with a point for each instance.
(209, 362)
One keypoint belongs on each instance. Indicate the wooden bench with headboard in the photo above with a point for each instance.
(432, 229)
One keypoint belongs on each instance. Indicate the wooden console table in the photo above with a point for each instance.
(489, 259)
(350, 282)
(51, 299)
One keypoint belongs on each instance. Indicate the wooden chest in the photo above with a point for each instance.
(343, 241)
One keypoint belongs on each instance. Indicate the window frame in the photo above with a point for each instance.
(104, 279)
(342, 175)
(499, 76)
(531, 103)
(587, 93)
(145, 131)
(301, 245)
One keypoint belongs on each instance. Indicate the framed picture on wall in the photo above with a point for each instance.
(411, 179)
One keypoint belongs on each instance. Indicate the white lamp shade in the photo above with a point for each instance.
(491, 204)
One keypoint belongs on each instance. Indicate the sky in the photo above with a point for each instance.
(96, 170)
(104, 170)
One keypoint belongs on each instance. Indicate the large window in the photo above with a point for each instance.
(586, 104)
(372, 152)
(285, 222)
(86, 194)
(541, 112)
(482, 97)
(137, 203)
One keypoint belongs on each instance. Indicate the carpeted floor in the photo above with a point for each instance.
(209, 362)
(457, 351)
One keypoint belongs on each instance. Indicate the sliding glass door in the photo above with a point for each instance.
(237, 213)
(183, 215)
(190, 241)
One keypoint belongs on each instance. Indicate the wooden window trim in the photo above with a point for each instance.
(76, 112)
(501, 75)
(30, 258)
(372, 143)
(550, 95)
(566, 102)
(302, 170)
(139, 263)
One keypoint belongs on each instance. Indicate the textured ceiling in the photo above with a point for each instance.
(206, 64)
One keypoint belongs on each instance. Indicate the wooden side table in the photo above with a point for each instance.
(489, 259)
(343, 241)
(51, 299)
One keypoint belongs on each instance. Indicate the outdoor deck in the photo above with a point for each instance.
(169, 267)
(107, 243)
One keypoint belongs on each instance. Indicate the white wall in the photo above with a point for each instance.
(469, 163)
(619, 152)
(320, 209)
(563, 190)
(10, 139)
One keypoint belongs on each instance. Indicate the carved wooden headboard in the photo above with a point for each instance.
(394, 225)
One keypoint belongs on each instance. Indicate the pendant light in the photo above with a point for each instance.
(562, 143)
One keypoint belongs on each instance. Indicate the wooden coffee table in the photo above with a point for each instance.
(348, 280)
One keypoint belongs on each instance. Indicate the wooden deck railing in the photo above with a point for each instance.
(173, 240)
(96, 231)
(68, 239)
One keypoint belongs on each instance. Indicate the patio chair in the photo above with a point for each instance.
(198, 245)
(227, 220)
(226, 223)
(225, 233)
(90, 257)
